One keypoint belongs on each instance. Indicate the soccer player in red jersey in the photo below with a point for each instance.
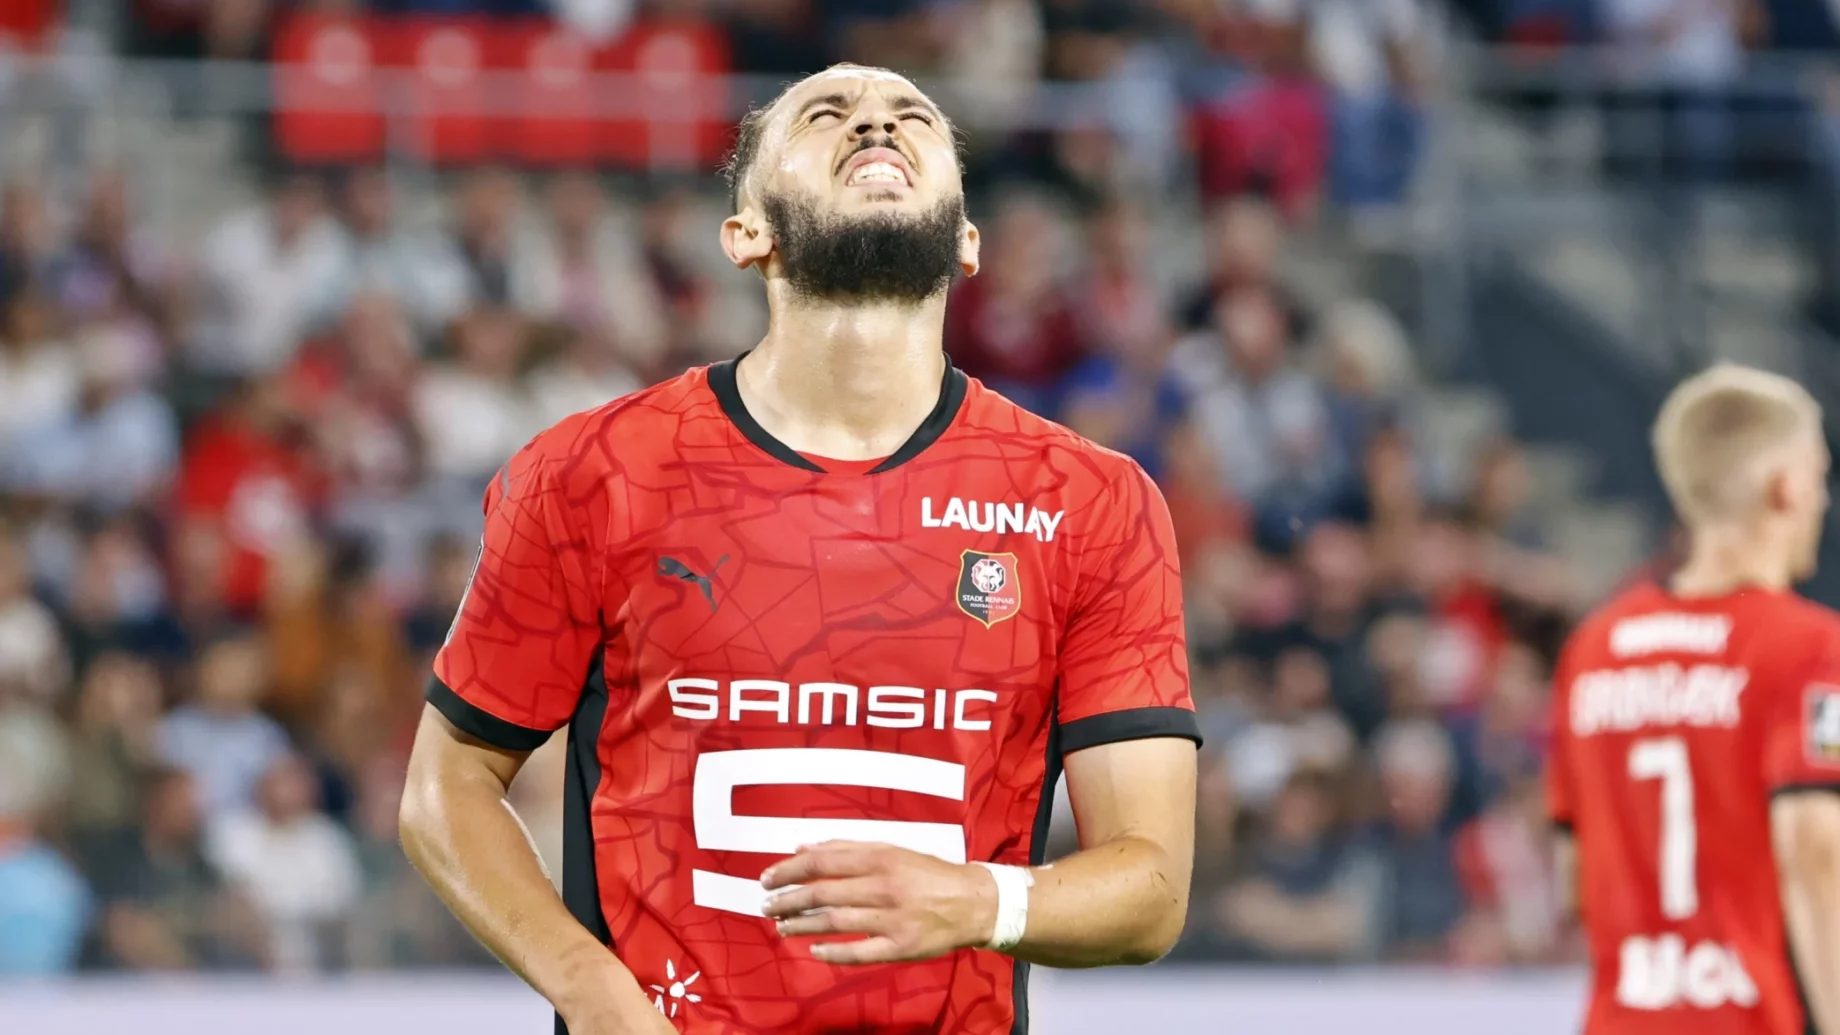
(1697, 740)
(825, 623)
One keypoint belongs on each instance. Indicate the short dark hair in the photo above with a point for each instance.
(753, 126)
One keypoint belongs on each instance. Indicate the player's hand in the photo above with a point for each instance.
(911, 906)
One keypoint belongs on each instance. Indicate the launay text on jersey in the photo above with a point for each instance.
(977, 516)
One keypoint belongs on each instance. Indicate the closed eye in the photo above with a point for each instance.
(919, 117)
(822, 113)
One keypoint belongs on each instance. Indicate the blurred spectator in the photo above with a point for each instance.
(1014, 325)
(111, 269)
(27, 241)
(117, 598)
(271, 275)
(586, 373)
(1263, 417)
(220, 737)
(449, 570)
(472, 413)
(1421, 899)
(33, 662)
(1244, 241)
(44, 903)
(360, 388)
(39, 377)
(1263, 122)
(582, 272)
(1507, 868)
(117, 446)
(299, 867)
(1369, 371)
(118, 711)
(1370, 55)
(424, 274)
(488, 205)
(246, 492)
(165, 906)
(1309, 893)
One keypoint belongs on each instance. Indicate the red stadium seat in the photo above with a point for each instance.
(326, 90)
(449, 123)
(678, 105)
(556, 124)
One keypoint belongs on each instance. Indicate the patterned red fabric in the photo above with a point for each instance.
(791, 655)
(1675, 722)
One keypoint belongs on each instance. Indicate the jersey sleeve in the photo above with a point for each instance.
(1801, 742)
(528, 632)
(1124, 654)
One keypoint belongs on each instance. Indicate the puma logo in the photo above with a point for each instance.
(671, 567)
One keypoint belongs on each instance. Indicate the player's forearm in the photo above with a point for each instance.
(1119, 902)
(461, 835)
(1809, 861)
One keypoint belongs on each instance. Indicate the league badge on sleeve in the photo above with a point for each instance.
(989, 586)
(1823, 724)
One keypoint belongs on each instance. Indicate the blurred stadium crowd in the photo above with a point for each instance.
(239, 484)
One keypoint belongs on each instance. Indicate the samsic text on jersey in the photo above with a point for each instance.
(1675, 722)
(756, 650)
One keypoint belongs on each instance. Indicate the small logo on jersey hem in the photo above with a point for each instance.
(989, 586)
(1823, 724)
(671, 567)
(667, 997)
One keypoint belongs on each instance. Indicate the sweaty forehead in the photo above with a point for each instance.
(847, 82)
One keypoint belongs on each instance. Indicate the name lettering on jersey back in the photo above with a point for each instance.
(976, 516)
(1618, 700)
(830, 704)
(1670, 633)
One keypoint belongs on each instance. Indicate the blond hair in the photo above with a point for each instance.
(1723, 432)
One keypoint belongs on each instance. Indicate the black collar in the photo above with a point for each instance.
(951, 397)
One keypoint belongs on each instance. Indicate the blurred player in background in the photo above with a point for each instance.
(825, 623)
(1697, 739)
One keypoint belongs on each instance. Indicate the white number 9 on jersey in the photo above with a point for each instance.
(718, 773)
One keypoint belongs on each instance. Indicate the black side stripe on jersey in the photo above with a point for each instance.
(581, 887)
(475, 721)
(1038, 854)
(1129, 724)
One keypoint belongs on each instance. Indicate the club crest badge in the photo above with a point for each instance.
(989, 586)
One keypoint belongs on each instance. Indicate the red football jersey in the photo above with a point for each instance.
(754, 653)
(1676, 720)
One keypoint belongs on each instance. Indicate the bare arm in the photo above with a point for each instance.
(459, 831)
(1806, 831)
(1121, 899)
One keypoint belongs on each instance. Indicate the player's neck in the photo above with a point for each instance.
(848, 382)
(1722, 561)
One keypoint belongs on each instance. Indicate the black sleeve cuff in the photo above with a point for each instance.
(1805, 788)
(1130, 724)
(475, 721)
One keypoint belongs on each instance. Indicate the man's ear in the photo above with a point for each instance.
(968, 243)
(746, 238)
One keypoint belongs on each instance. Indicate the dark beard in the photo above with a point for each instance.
(882, 256)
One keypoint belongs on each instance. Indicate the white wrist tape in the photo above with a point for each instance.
(1013, 883)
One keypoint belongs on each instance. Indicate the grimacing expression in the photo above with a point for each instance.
(856, 182)
(856, 141)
